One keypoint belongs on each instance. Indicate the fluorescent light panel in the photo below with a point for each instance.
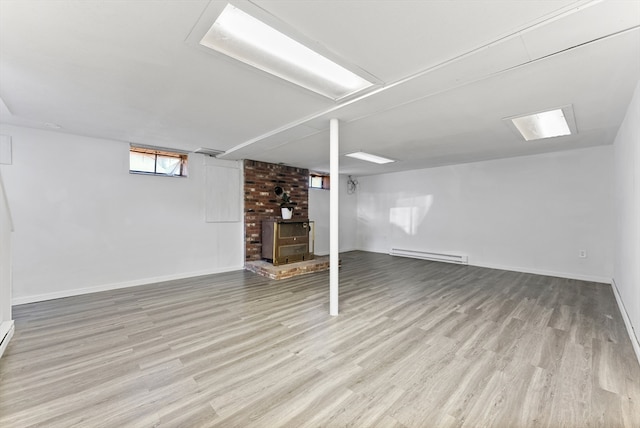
(369, 157)
(545, 124)
(247, 39)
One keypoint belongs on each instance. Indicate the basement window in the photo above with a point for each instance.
(319, 181)
(156, 161)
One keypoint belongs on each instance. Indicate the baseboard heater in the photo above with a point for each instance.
(461, 259)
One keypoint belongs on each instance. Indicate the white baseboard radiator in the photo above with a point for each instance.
(460, 259)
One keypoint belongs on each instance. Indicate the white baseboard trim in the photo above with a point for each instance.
(627, 321)
(113, 286)
(7, 329)
(581, 277)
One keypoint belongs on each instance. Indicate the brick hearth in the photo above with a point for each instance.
(264, 268)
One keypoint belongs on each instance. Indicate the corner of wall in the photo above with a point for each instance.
(626, 276)
(633, 336)
(7, 329)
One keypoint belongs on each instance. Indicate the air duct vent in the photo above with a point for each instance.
(208, 152)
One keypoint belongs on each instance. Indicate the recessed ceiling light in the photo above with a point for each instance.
(369, 157)
(545, 124)
(247, 39)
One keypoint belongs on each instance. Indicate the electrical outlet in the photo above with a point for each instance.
(582, 254)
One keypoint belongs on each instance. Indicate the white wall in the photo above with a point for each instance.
(83, 223)
(6, 228)
(627, 204)
(319, 212)
(530, 213)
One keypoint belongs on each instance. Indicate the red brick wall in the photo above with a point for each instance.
(260, 203)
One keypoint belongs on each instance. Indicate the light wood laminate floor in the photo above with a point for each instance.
(417, 344)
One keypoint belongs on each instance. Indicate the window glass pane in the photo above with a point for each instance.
(168, 165)
(143, 162)
(158, 162)
(315, 182)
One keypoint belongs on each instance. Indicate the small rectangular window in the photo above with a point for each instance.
(145, 160)
(319, 181)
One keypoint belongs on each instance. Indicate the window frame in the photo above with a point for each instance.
(325, 184)
(163, 153)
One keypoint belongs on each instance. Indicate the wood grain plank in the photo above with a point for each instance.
(417, 344)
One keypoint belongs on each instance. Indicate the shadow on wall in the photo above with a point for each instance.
(407, 214)
(410, 212)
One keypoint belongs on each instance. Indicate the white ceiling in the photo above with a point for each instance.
(449, 71)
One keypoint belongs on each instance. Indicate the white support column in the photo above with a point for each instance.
(334, 247)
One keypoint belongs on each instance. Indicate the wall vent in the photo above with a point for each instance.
(208, 152)
(461, 259)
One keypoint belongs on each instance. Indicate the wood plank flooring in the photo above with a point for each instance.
(417, 344)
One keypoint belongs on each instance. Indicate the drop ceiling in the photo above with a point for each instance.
(447, 73)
